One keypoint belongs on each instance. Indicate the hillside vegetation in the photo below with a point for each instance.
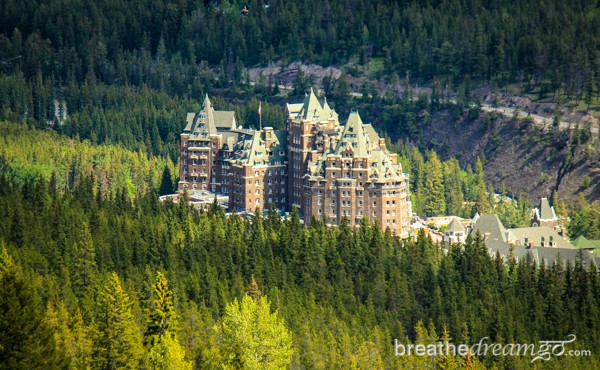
(105, 282)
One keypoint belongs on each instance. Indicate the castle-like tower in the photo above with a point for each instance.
(205, 144)
(325, 170)
(313, 127)
(356, 178)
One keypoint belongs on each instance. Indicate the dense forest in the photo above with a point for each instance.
(99, 268)
(109, 281)
(162, 44)
(95, 272)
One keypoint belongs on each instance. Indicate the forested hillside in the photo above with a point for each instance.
(553, 43)
(96, 273)
(85, 273)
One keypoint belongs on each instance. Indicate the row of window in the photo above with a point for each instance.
(191, 143)
(270, 172)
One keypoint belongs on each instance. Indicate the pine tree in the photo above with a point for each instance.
(162, 317)
(166, 184)
(27, 341)
(434, 203)
(165, 350)
(446, 362)
(117, 342)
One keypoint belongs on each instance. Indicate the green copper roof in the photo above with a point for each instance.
(353, 137)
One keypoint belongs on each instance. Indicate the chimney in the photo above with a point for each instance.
(382, 144)
(268, 135)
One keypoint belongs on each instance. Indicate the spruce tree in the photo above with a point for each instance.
(435, 202)
(162, 317)
(26, 340)
(117, 342)
(165, 351)
(166, 184)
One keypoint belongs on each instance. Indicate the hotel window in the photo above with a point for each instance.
(257, 201)
(257, 191)
(374, 202)
(256, 182)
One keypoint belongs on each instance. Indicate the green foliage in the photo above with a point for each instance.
(344, 294)
(168, 355)
(117, 340)
(161, 45)
(434, 202)
(250, 336)
(162, 318)
(585, 219)
(30, 153)
(27, 341)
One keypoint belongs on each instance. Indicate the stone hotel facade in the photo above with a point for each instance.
(325, 170)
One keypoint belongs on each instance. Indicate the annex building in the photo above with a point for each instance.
(324, 169)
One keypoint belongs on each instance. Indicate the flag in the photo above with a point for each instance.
(259, 106)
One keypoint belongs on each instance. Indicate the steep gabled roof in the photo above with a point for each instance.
(209, 111)
(455, 226)
(371, 133)
(353, 137)
(252, 149)
(189, 122)
(312, 109)
(547, 212)
(224, 119)
(489, 224)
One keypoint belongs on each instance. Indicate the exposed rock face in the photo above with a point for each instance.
(285, 74)
(527, 158)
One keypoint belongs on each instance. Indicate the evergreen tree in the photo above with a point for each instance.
(166, 183)
(434, 202)
(27, 340)
(162, 317)
(165, 351)
(117, 342)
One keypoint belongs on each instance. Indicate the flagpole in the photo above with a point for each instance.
(260, 114)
